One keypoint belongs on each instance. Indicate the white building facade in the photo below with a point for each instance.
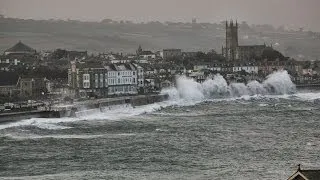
(109, 80)
(248, 69)
(122, 79)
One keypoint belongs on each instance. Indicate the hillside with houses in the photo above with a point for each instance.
(124, 36)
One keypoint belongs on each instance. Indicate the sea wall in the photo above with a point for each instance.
(95, 104)
(70, 110)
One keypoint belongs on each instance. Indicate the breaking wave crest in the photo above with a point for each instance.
(278, 83)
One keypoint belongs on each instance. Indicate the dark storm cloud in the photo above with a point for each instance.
(276, 12)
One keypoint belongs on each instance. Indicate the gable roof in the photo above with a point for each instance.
(311, 174)
(20, 47)
(306, 174)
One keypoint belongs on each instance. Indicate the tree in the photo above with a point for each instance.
(272, 54)
(243, 72)
(59, 53)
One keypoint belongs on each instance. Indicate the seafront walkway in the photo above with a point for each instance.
(106, 100)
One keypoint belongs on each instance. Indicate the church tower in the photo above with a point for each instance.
(229, 51)
(139, 51)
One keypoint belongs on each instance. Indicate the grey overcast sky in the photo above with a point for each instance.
(296, 13)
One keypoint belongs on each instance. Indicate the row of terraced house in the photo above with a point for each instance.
(92, 79)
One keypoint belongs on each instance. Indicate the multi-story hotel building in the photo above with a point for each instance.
(93, 79)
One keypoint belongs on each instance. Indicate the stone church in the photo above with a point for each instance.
(233, 52)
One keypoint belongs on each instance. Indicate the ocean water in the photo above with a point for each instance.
(204, 131)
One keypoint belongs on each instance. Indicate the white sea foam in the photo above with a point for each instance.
(43, 123)
(278, 83)
(122, 111)
(58, 136)
(307, 96)
(108, 113)
(23, 136)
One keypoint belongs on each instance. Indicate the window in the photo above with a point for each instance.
(96, 78)
(86, 85)
(134, 80)
(106, 80)
(134, 73)
(86, 80)
(101, 80)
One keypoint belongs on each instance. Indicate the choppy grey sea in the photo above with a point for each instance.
(251, 137)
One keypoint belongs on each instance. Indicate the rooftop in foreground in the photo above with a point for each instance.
(305, 174)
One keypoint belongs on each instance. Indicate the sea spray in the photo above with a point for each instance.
(189, 88)
(278, 83)
(217, 86)
(238, 89)
(255, 87)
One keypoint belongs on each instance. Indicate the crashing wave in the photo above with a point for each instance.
(278, 83)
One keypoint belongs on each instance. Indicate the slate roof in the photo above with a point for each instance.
(311, 174)
(252, 46)
(305, 174)
(89, 64)
(119, 67)
(20, 47)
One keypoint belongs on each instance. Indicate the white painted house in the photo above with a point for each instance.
(248, 69)
(122, 79)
